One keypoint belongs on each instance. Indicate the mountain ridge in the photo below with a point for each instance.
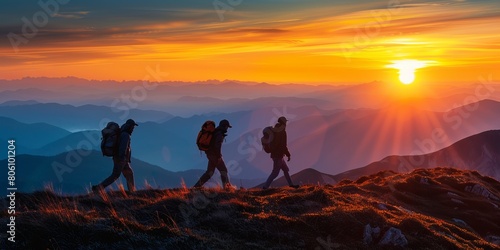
(479, 152)
(440, 208)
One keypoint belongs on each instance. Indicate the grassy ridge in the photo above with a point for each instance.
(433, 208)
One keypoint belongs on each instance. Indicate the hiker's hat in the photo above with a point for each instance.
(225, 123)
(282, 120)
(131, 122)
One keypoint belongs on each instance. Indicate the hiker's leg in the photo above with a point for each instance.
(117, 170)
(212, 163)
(221, 166)
(128, 173)
(274, 173)
(285, 169)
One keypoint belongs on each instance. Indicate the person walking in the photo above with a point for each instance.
(279, 150)
(121, 159)
(214, 156)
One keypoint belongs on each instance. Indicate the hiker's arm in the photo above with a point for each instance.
(122, 150)
(287, 153)
(218, 144)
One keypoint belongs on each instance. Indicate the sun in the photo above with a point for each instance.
(407, 69)
(407, 76)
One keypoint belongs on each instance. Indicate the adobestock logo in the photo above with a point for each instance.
(40, 19)
(484, 88)
(221, 7)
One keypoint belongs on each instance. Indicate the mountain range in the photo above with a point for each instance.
(331, 141)
(76, 118)
(165, 96)
(37, 134)
(331, 129)
(350, 139)
(74, 171)
(480, 152)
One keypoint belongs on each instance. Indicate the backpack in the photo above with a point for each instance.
(204, 139)
(266, 139)
(109, 140)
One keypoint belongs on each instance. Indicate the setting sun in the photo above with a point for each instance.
(407, 69)
(406, 76)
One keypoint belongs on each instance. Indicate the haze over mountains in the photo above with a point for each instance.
(163, 96)
(332, 129)
(76, 118)
(479, 152)
(74, 171)
(331, 142)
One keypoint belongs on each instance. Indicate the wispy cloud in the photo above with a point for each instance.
(72, 15)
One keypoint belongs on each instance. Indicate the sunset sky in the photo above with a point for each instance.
(289, 41)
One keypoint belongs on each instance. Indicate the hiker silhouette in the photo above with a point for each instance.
(214, 156)
(279, 149)
(121, 160)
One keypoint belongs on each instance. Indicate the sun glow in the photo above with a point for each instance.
(407, 69)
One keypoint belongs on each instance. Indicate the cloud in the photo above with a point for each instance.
(158, 31)
(257, 30)
(72, 15)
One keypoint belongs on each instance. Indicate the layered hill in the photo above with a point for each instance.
(332, 141)
(78, 117)
(439, 208)
(37, 134)
(480, 152)
(338, 142)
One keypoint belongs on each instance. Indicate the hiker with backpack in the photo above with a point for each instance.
(210, 140)
(275, 142)
(118, 146)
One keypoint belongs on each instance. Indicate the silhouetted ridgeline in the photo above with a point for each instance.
(480, 152)
(439, 208)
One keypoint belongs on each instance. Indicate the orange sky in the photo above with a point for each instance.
(321, 43)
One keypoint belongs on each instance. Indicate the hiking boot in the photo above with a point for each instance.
(229, 187)
(294, 186)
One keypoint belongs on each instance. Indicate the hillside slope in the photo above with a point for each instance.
(439, 208)
(29, 136)
(73, 172)
(479, 152)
